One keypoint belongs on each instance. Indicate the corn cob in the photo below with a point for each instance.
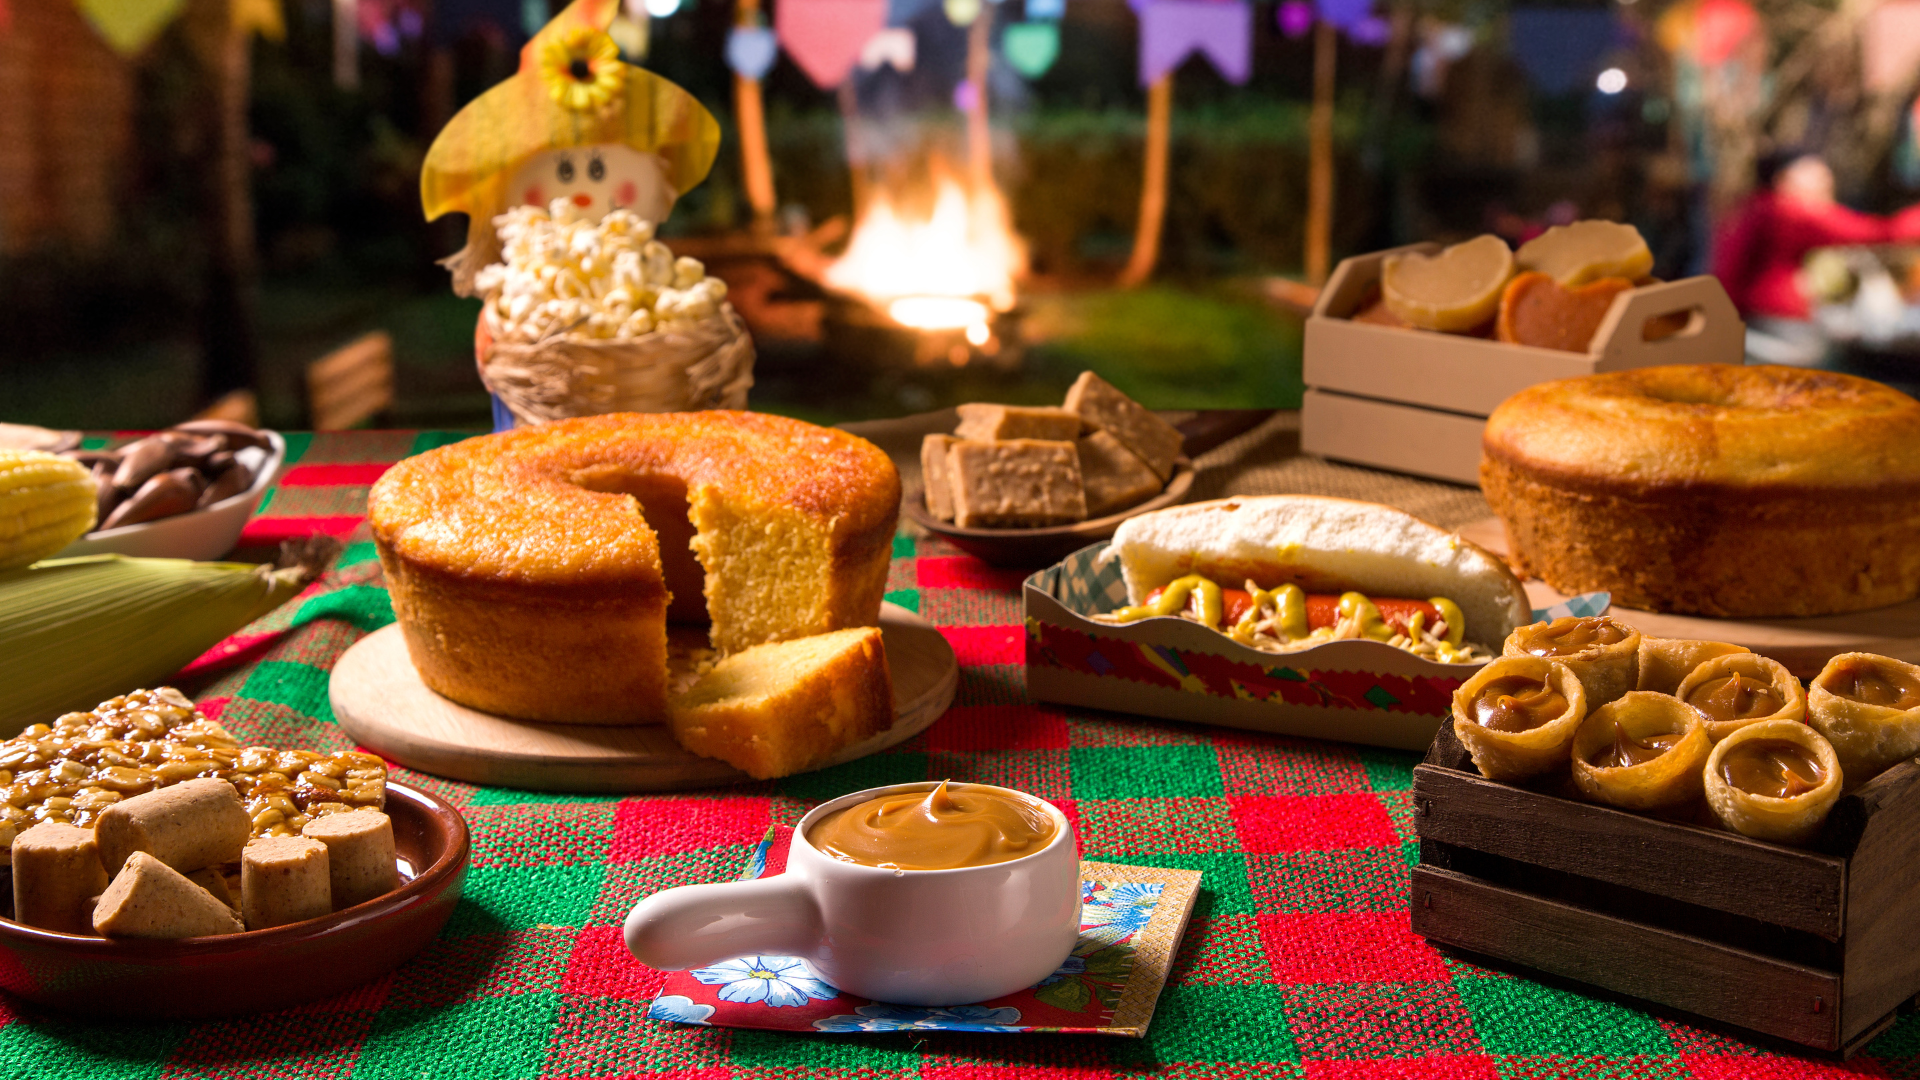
(75, 631)
(46, 503)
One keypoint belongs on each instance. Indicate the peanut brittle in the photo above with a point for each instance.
(86, 761)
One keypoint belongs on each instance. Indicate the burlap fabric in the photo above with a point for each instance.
(1263, 461)
(1299, 965)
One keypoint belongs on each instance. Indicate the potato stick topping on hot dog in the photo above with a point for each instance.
(1286, 619)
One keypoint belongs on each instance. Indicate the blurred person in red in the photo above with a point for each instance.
(1758, 252)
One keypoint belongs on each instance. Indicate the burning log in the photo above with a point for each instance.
(942, 287)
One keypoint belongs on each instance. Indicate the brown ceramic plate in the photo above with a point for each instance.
(260, 970)
(1047, 545)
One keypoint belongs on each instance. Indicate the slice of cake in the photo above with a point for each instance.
(777, 709)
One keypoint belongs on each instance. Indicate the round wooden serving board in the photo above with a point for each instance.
(380, 700)
(1803, 645)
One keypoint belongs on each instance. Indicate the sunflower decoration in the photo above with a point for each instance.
(572, 91)
(582, 68)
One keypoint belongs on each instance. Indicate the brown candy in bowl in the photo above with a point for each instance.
(259, 970)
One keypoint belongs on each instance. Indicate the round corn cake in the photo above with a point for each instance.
(534, 571)
(1712, 489)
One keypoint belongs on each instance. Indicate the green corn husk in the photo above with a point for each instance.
(75, 632)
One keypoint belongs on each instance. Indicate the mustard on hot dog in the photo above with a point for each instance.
(1287, 619)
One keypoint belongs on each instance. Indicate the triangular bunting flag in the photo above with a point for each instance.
(893, 47)
(1172, 30)
(751, 51)
(1031, 47)
(825, 37)
(261, 17)
(128, 26)
(902, 12)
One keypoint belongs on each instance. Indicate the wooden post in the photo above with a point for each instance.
(979, 135)
(749, 112)
(346, 44)
(849, 101)
(1326, 41)
(1153, 188)
(224, 51)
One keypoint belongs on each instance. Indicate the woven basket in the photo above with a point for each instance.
(707, 367)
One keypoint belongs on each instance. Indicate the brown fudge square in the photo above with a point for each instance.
(989, 422)
(933, 475)
(1097, 402)
(1114, 477)
(1015, 482)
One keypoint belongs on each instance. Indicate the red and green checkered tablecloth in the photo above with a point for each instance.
(1299, 961)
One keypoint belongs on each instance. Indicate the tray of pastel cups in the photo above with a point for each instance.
(918, 907)
(1683, 823)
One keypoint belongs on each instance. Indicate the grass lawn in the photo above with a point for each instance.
(1172, 347)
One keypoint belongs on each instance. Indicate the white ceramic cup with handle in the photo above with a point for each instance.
(905, 937)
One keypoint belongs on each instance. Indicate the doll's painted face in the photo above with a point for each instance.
(597, 178)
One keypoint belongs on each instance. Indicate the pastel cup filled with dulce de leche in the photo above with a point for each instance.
(913, 894)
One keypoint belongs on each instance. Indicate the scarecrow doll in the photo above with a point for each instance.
(564, 171)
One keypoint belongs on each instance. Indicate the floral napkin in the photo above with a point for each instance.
(1131, 921)
(1591, 603)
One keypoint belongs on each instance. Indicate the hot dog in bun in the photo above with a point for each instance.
(1282, 573)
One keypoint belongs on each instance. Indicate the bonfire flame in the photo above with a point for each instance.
(951, 271)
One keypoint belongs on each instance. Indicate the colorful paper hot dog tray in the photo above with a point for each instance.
(1354, 691)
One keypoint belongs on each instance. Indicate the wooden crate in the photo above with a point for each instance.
(1416, 401)
(1817, 946)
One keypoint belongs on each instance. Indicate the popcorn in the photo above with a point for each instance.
(563, 275)
(687, 272)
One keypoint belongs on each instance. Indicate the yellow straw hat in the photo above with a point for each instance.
(572, 89)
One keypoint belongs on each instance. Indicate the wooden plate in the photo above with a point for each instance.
(1043, 546)
(1803, 645)
(379, 698)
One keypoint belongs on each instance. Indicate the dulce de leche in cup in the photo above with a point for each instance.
(941, 829)
(925, 893)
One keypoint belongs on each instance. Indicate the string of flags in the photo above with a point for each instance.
(828, 39)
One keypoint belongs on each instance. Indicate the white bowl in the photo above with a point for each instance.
(204, 534)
